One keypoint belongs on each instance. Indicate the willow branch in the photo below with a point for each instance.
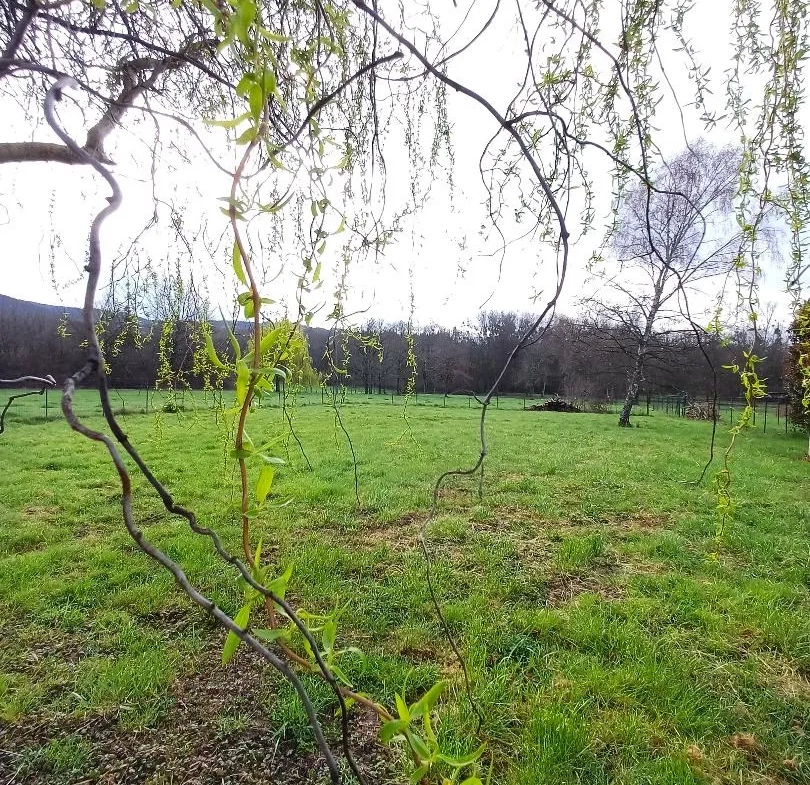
(95, 367)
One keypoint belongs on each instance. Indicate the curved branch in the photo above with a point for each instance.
(95, 367)
(93, 148)
(44, 382)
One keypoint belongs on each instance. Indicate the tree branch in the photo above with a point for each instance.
(17, 37)
(132, 89)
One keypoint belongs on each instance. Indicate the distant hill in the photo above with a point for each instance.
(31, 342)
(13, 307)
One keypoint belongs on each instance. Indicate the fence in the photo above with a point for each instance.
(36, 405)
(44, 406)
(770, 412)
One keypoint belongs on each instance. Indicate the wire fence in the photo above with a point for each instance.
(772, 411)
(769, 413)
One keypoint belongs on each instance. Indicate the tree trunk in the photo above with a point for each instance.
(637, 374)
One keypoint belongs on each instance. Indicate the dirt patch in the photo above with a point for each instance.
(26, 651)
(401, 534)
(628, 522)
(791, 680)
(748, 744)
(531, 530)
(564, 587)
(512, 516)
(215, 732)
(42, 513)
(173, 619)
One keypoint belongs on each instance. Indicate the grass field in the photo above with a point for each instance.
(610, 637)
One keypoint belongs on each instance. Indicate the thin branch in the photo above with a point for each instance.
(95, 367)
(16, 39)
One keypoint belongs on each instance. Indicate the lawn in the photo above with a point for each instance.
(610, 637)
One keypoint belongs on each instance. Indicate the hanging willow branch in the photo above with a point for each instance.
(93, 370)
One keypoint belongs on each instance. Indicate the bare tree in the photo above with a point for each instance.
(667, 239)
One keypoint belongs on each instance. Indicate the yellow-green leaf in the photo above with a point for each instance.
(265, 482)
(237, 264)
(242, 379)
(228, 123)
(233, 640)
(279, 39)
(212, 352)
(270, 339)
(402, 707)
(418, 745)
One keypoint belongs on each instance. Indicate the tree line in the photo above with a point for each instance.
(578, 357)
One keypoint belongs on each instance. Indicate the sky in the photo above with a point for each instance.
(440, 270)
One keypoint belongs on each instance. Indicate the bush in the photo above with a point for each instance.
(797, 368)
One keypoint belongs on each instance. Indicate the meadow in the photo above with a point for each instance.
(610, 635)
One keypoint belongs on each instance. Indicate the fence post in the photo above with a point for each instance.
(497, 402)
(469, 402)
(754, 407)
(46, 403)
(765, 420)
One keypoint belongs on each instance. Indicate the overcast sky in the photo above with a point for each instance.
(439, 263)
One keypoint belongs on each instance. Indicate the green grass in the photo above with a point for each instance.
(61, 759)
(610, 637)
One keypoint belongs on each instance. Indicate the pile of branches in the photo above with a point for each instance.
(555, 405)
(701, 411)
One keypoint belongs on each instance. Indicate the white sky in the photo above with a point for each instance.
(439, 261)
